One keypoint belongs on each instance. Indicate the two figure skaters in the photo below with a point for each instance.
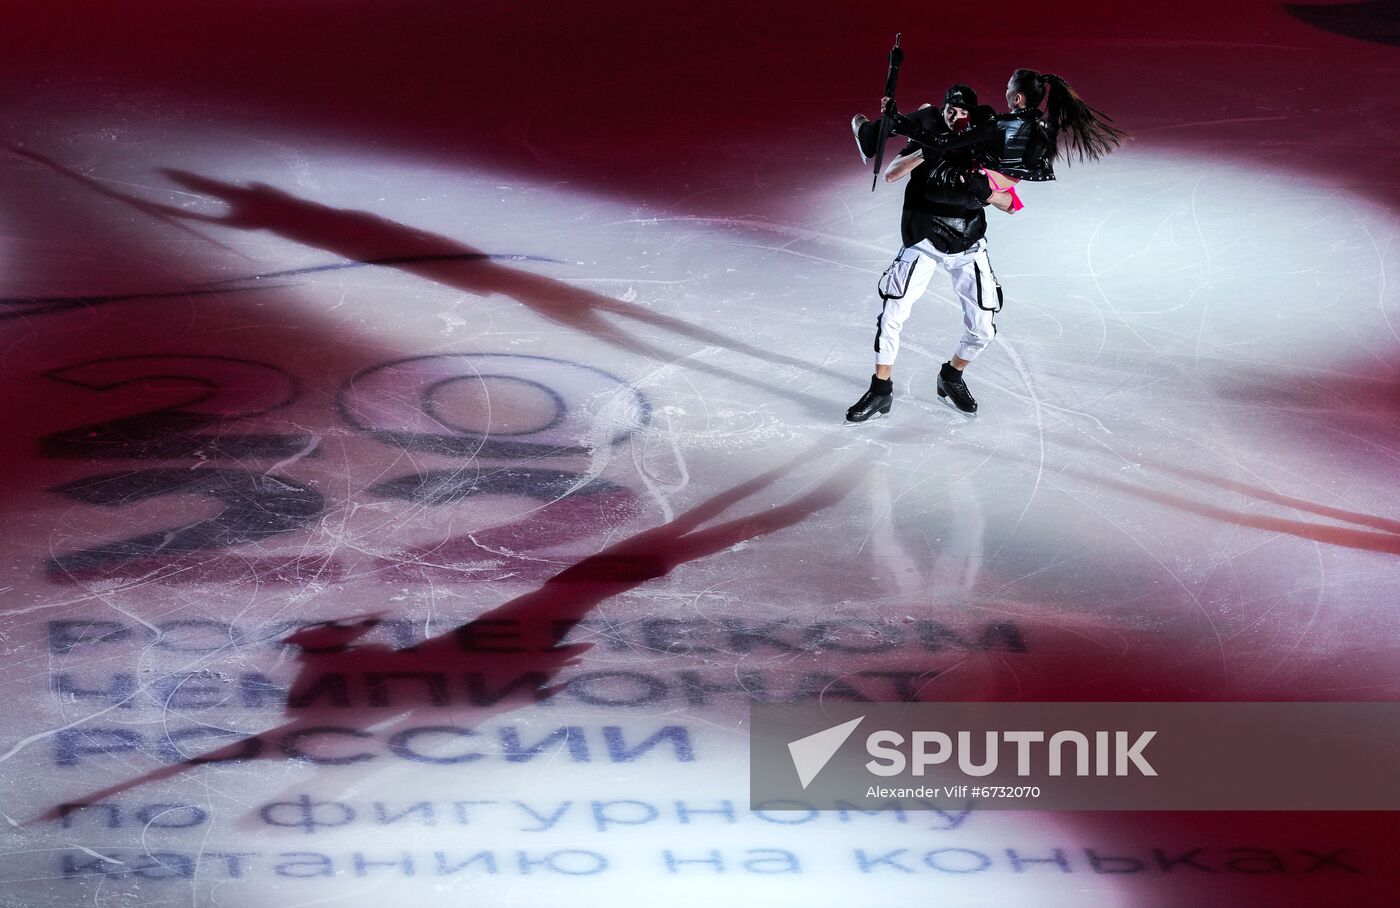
(959, 159)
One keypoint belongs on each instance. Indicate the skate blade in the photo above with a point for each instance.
(954, 407)
(861, 422)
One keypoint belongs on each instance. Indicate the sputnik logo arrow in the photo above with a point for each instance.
(811, 754)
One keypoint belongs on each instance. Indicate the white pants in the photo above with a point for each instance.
(906, 280)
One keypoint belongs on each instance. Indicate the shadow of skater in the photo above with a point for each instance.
(367, 238)
(361, 236)
(165, 214)
(500, 671)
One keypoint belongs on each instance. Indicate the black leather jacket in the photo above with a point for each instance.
(941, 205)
(1026, 149)
(1017, 144)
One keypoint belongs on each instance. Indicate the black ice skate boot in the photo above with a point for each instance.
(952, 387)
(875, 402)
(867, 137)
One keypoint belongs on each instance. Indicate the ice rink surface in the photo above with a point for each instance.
(517, 342)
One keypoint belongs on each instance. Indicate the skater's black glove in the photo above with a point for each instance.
(949, 174)
(978, 185)
(953, 184)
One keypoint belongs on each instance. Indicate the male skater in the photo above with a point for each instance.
(942, 225)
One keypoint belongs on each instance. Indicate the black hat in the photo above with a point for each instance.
(960, 96)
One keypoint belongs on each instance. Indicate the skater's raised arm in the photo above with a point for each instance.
(984, 129)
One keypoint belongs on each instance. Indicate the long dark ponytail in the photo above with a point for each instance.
(1089, 133)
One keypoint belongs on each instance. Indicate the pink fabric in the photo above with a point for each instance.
(1001, 181)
